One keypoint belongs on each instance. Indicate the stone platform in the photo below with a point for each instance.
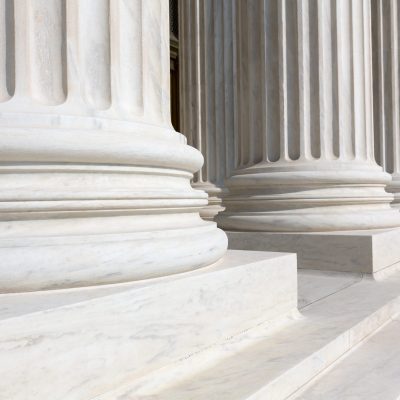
(80, 343)
(339, 312)
(227, 332)
(373, 252)
(370, 372)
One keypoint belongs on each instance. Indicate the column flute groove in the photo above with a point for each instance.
(207, 98)
(3, 52)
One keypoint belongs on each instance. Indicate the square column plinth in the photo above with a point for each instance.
(80, 343)
(375, 252)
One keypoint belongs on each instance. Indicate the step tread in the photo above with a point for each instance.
(275, 365)
(370, 372)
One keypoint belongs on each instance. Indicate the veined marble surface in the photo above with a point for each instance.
(373, 252)
(314, 285)
(274, 366)
(304, 125)
(207, 91)
(81, 344)
(95, 181)
(371, 372)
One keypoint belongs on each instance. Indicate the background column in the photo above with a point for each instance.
(386, 68)
(305, 127)
(95, 182)
(207, 91)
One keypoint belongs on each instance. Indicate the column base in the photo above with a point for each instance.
(375, 252)
(82, 207)
(80, 343)
(79, 252)
(309, 197)
(394, 188)
(215, 194)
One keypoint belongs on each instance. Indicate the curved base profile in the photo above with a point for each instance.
(87, 208)
(55, 254)
(288, 199)
(394, 187)
(215, 194)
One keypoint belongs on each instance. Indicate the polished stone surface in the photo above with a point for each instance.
(374, 252)
(207, 91)
(386, 76)
(78, 343)
(314, 285)
(370, 372)
(95, 182)
(304, 159)
(273, 364)
(96, 199)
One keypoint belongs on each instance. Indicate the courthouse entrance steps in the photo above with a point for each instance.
(371, 372)
(338, 313)
(76, 344)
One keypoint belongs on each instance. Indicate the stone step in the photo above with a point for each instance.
(79, 343)
(374, 252)
(370, 372)
(264, 365)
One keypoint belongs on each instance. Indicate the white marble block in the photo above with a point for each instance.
(79, 343)
(375, 252)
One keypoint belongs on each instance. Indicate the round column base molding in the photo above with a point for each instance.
(70, 253)
(163, 149)
(290, 199)
(301, 222)
(215, 194)
(394, 188)
(82, 207)
(212, 210)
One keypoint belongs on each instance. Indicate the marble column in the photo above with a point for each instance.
(305, 126)
(207, 91)
(386, 69)
(95, 183)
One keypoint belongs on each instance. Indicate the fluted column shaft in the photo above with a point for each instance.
(305, 126)
(89, 58)
(386, 68)
(95, 181)
(206, 87)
